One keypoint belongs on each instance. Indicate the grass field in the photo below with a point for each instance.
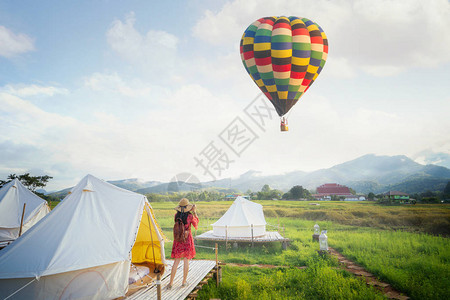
(428, 218)
(393, 242)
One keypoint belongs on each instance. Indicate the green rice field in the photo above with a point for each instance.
(405, 246)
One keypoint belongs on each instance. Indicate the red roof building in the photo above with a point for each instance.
(330, 189)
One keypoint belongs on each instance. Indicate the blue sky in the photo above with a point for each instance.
(125, 89)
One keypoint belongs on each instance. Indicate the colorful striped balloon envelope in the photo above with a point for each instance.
(284, 56)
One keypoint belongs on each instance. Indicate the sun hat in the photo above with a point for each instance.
(184, 203)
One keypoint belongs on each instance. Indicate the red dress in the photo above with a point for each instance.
(186, 249)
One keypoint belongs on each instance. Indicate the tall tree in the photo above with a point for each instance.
(267, 193)
(265, 188)
(298, 192)
(31, 182)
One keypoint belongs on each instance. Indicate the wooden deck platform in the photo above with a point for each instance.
(198, 269)
(270, 236)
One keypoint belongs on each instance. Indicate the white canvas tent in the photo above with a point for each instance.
(84, 248)
(244, 218)
(13, 196)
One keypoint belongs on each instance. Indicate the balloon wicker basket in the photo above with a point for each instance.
(284, 127)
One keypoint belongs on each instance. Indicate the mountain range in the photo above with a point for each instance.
(368, 173)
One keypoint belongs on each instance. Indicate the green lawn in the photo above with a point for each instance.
(417, 264)
(388, 241)
(319, 281)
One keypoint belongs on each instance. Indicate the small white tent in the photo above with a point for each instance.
(243, 219)
(13, 196)
(84, 248)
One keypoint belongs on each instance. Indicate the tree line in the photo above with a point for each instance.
(266, 193)
(297, 192)
(201, 195)
(425, 197)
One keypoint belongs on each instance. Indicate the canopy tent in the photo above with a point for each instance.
(244, 218)
(84, 248)
(13, 196)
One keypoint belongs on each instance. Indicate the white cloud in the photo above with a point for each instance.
(159, 143)
(129, 126)
(382, 38)
(113, 83)
(105, 146)
(12, 44)
(155, 144)
(227, 25)
(382, 70)
(24, 122)
(339, 67)
(23, 90)
(392, 36)
(154, 48)
(321, 136)
(429, 156)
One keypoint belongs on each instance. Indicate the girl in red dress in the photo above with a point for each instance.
(186, 250)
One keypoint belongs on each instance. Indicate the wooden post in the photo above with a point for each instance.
(252, 235)
(226, 237)
(217, 266)
(158, 286)
(283, 230)
(21, 221)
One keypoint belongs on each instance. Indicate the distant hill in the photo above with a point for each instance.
(254, 181)
(42, 191)
(368, 173)
(134, 184)
(61, 194)
(419, 185)
(169, 187)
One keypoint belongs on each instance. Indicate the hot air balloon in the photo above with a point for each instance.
(284, 56)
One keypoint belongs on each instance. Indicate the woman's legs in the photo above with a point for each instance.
(185, 269)
(174, 270)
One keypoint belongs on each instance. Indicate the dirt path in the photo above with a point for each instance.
(370, 279)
